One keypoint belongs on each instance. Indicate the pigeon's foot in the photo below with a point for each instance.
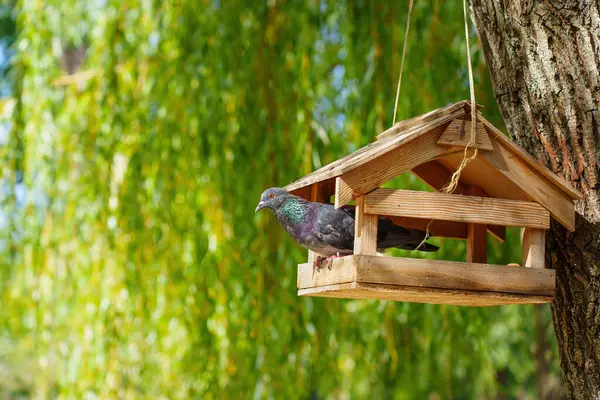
(329, 260)
(318, 264)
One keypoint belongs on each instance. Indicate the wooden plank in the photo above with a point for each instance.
(369, 176)
(303, 192)
(436, 176)
(343, 270)
(458, 133)
(412, 272)
(421, 295)
(476, 236)
(326, 188)
(534, 247)
(454, 275)
(460, 208)
(365, 230)
(561, 183)
(370, 152)
(476, 243)
(422, 119)
(321, 192)
(447, 229)
(480, 173)
(534, 186)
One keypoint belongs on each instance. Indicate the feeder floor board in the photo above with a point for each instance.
(413, 294)
(427, 281)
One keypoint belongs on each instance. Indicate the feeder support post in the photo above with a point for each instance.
(365, 230)
(320, 193)
(476, 235)
(534, 246)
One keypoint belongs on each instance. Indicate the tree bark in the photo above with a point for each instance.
(544, 60)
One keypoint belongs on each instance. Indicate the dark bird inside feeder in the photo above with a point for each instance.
(329, 231)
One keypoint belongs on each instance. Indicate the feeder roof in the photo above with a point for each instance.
(501, 168)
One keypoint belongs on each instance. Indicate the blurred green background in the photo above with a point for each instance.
(136, 139)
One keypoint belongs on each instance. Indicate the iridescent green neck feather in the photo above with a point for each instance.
(293, 211)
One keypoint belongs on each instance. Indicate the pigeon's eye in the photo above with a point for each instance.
(271, 195)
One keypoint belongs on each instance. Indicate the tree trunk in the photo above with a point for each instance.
(544, 59)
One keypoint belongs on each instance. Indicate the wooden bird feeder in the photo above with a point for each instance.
(503, 186)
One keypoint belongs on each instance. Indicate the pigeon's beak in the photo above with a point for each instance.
(260, 206)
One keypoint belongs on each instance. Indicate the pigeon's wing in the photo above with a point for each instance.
(335, 227)
(392, 235)
(349, 210)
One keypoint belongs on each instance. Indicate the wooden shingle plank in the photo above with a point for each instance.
(365, 230)
(422, 295)
(422, 119)
(534, 247)
(561, 183)
(370, 152)
(458, 133)
(460, 208)
(533, 185)
(380, 170)
(454, 275)
(436, 176)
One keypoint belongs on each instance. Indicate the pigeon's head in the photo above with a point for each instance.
(272, 198)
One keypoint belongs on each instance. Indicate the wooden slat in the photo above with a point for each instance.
(561, 183)
(429, 277)
(365, 230)
(433, 274)
(436, 176)
(454, 275)
(326, 188)
(460, 208)
(480, 173)
(534, 247)
(421, 295)
(476, 243)
(535, 187)
(476, 235)
(375, 173)
(370, 152)
(458, 133)
(303, 192)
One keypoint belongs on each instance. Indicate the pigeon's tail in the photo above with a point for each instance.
(395, 236)
(428, 247)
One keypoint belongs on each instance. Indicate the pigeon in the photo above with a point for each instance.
(329, 231)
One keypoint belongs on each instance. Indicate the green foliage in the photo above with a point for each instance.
(136, 267)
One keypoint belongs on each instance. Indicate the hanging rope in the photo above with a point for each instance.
(451, 187)
(410, 6)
